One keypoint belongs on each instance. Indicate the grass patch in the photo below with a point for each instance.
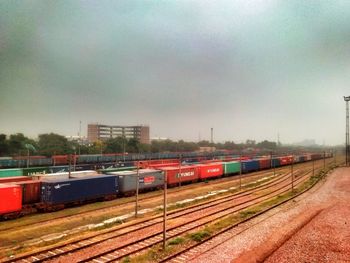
(247, 213)
(200, 235)
(176, 241)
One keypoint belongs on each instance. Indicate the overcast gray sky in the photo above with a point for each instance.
(249, 69)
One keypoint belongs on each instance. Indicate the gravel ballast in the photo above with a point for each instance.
(313, 228)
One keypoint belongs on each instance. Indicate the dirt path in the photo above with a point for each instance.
(314, 228)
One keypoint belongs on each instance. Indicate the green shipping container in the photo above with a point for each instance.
(231, 167)
(10, 172)
(35, 170)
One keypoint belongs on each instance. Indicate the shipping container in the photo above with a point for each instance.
(30, 191)
(50, 177)
(147, 163)
(14, 179)
(286, 160)
(210, 170)
(10, 172)
(211, 161)
(35, 170)
(275, 162)
(160, 165)
(60, 159)
(32, 157)
(118, 169)
(78, 189)
(11, 198)
(231, 167)
(81, 174)
(59, 169)
(175, 176)
(250, 166)
(148, 179)
(296, 159)
(264, 163)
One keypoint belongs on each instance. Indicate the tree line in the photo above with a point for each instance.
(49, 144)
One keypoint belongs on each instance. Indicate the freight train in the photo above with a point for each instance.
(103, 159)
(48, 192)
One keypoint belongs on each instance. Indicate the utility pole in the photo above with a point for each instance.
(79, 137)
(164, 210)
(137, 189)
(240, 171)
(69, 167)
(347, 99)
(27, 157)
(75, 160)
(180, 164)
(291, 172)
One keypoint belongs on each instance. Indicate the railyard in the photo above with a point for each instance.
(185, 219)
(174, 131)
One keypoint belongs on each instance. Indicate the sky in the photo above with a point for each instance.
(248, 69)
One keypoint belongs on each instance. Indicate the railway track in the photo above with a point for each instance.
(141, 245)
(200, 247)
(150, 241)
(145, 198)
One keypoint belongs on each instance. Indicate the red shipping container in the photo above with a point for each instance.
(210, 170)
(211, 161)
(60, 159)
(265, 163)
(160, 165)
(11, 198)
(14, 179)
(149, 163)
(285, 160)
(188, 174)
(30, 191)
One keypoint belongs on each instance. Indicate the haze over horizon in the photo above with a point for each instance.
(249, 69)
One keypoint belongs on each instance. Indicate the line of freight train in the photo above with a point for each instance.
(20, 195)
(114, 158)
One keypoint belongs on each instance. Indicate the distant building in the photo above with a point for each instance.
(104, 132)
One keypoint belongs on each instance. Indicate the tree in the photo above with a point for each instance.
(250, 142)
(17, 142)
(133, 146)
(115, 145)
(51, 144)
(267, 145)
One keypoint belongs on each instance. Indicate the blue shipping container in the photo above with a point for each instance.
(79, 189)
(250, 165)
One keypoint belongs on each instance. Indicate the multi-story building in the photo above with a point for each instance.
(104, 132)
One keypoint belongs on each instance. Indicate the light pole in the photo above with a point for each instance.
(69, 165)
(29, 147)
(240, 171)
(292, 172)
(137, 189)
(164, 209)
(347, 99)
(124, 148)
